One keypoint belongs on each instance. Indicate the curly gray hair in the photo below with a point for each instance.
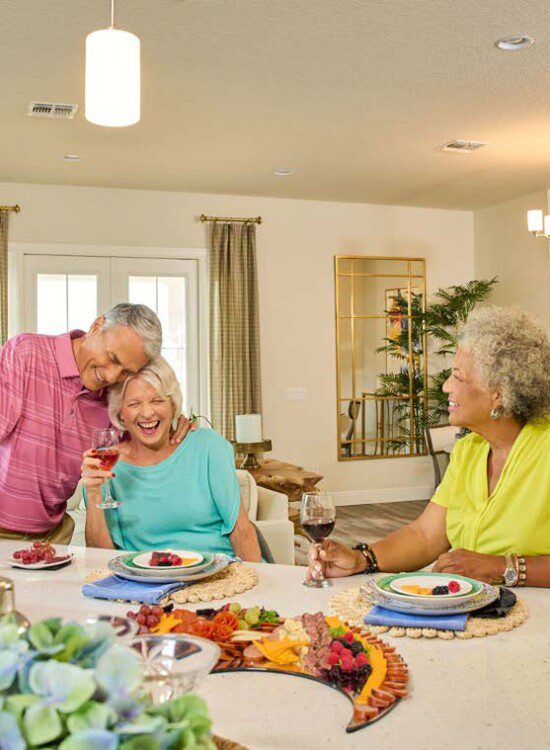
(140, 319)
(512, 353)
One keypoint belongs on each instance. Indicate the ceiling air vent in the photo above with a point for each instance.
(52, 110)
(462, 147)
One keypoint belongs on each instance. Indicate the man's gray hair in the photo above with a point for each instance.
(140, 319)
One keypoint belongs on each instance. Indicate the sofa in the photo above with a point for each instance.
(268, 510)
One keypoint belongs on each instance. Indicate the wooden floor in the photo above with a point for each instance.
(369, 523)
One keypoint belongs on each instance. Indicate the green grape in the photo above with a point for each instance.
(252, 616)
(235, 607)
(243, 625)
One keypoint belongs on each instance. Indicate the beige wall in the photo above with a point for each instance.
(296, 245)
(503, 247)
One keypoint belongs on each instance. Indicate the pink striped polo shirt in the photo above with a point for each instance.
(46, 422)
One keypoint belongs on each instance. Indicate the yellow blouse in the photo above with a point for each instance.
(516, 516)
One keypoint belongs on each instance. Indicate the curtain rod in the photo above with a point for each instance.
(252, 220)
(15, 208)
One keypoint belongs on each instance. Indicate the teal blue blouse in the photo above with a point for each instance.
(191, 500)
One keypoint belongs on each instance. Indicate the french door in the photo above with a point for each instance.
(64, 292)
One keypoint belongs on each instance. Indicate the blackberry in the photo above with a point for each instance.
(440, 590)
(356, 648)
(208, 613)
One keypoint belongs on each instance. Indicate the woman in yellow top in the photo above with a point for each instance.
(490, 517)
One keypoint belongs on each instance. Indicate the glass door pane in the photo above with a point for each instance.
(170, 288)
(64, 293)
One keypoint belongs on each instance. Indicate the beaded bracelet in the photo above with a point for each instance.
(522, 571)
(370, 557)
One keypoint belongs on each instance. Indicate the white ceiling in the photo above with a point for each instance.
(354, 95)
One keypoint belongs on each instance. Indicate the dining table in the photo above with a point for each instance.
(487, 693)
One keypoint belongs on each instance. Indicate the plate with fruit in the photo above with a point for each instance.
(179, 559)
(121, 566)
(431, 590)
(433, 584)
(38, 556)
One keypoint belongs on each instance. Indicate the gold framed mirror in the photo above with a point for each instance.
(381, 356)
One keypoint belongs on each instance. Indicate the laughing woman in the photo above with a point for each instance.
(490, 517)
(181, 497)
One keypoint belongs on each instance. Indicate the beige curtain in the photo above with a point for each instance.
(4, 222)
(234, 325)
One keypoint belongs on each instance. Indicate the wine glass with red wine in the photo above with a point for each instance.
(106, 448)
(317, 518)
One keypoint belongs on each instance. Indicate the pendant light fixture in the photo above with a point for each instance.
(112, 76)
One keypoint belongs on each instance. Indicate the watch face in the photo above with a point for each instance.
(509, 576)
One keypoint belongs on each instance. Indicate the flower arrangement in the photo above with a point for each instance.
(71, 686)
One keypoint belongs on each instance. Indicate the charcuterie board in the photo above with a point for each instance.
(369, 672)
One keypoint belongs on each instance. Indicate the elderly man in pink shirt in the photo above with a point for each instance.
(52, 397)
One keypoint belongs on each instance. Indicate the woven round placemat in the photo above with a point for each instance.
(350, 605)
(223, 744)
(232, 580)
(235, 579)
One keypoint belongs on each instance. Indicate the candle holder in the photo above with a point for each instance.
(251, 450)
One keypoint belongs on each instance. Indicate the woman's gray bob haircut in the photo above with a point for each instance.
(140, 319)
(157, 373)
(511, 352)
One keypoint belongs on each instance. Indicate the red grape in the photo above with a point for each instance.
(17, 554)
(157, 611)
(141, 619)
(152, 621)
(144, 610)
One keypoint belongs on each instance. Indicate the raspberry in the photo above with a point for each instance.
(347, 665)
(361, 659)
(349, 637)
(333, 658)
(17, 554)
(337, 647)
(454, 586)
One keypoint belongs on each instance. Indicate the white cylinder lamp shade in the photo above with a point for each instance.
(112, 78)
(534, 220)
(248, 428)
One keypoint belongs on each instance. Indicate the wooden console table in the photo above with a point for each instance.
(289, 479)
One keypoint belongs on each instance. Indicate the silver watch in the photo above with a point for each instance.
(511, 575)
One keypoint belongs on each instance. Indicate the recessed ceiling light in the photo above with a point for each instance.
(282, 171)
(511, 43)
(72, 158)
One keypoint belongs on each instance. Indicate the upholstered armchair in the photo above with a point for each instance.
(268, 511)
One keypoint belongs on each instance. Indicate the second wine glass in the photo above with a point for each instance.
(317, 517)
(106, 448)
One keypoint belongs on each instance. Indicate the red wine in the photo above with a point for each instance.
(317, 532)
(107, 457)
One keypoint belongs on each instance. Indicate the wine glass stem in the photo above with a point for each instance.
(108, 498)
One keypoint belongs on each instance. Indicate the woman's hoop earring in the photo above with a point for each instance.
(497, 412)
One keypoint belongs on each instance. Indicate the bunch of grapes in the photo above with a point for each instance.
(146, 617)
(38, 552)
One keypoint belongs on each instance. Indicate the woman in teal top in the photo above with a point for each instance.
(180, 497)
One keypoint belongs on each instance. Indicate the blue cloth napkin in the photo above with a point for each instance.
(380, 616)
(113, 587)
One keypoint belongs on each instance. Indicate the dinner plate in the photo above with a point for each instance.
(396, 585)
(141, 560)
(486, 595)
(60, 562)
(117, 567)
(159, 571)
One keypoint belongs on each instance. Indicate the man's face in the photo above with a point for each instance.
(108, 357)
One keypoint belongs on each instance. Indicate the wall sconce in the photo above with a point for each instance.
(538, 224)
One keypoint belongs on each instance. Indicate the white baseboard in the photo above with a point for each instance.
(381, 495)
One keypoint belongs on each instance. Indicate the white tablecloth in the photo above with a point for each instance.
(483, 694)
